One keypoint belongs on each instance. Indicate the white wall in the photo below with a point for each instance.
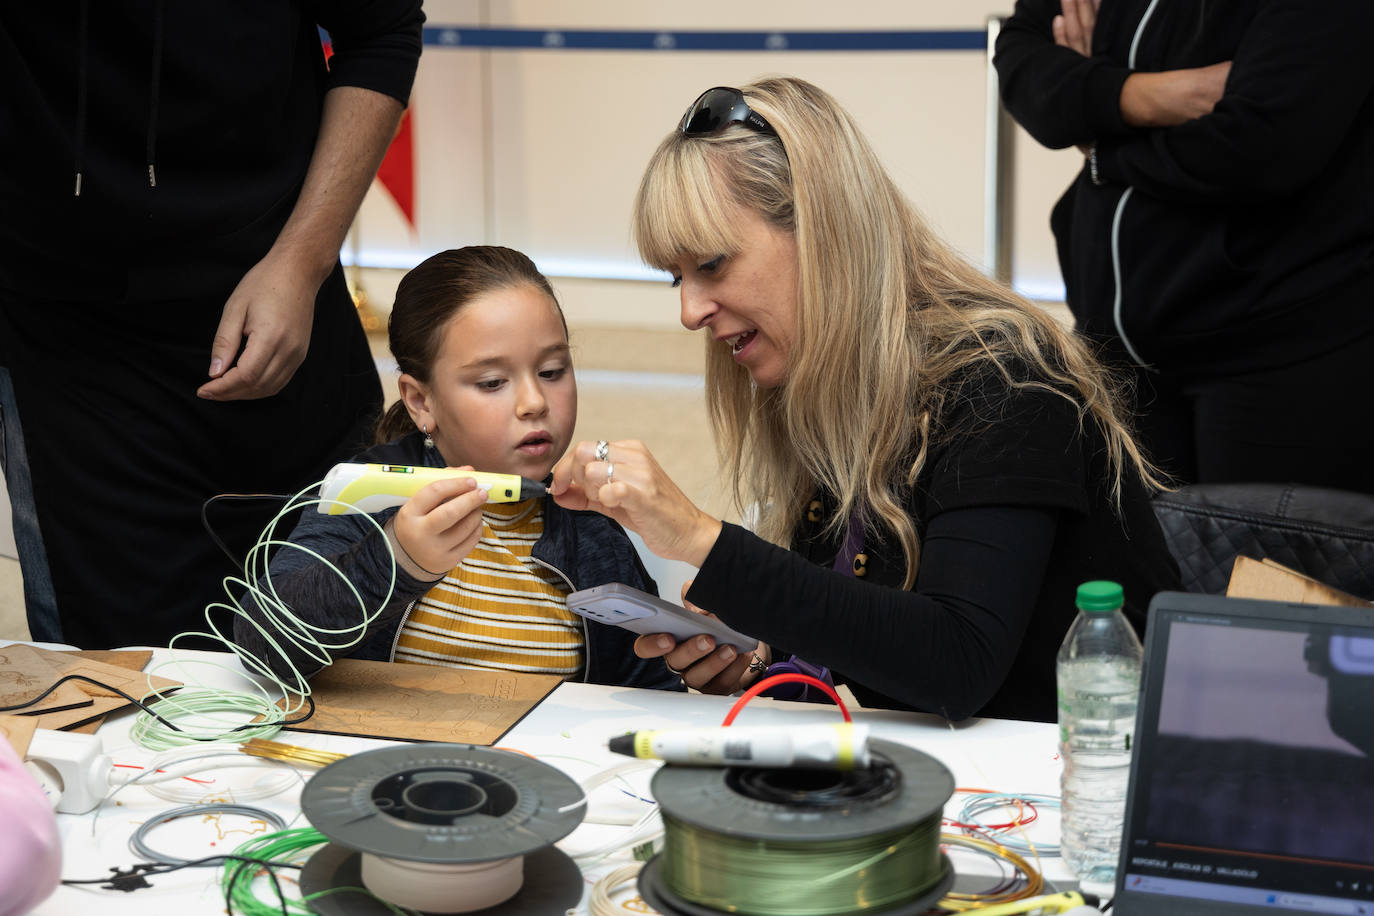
(542, 149)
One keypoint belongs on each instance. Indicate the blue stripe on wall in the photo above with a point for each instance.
(453, 36)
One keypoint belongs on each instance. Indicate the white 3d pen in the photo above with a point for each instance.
(841, 746)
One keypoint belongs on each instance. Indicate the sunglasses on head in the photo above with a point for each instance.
(718, 108)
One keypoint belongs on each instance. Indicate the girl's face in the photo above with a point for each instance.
(501, 396)
(746, 301)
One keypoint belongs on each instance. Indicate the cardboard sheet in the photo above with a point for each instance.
(26, 671)
(422, 702)
(1275, 582)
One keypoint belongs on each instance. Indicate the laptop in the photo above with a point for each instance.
(1252, 781)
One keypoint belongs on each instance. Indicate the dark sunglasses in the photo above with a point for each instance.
(718, 108)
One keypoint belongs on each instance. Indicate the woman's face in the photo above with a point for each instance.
(746, 301)
(501, 396)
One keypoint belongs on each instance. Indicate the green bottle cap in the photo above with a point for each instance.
(1100, 595)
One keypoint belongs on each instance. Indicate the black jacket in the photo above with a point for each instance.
(1013, 512)
(1245, 238)
(221, 97)
(587, 548)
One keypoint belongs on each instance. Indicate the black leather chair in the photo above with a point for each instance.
(1325, 534)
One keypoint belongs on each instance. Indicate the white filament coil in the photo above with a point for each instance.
(443, 888)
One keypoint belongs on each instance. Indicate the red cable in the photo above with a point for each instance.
(790, 678)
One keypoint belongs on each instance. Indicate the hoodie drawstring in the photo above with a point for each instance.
(79, 140)
(154, 85)
(82, 79)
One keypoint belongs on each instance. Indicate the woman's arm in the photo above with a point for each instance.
(946, 646)
(1062, 97)
(1299, 79)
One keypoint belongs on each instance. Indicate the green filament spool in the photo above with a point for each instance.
(790, 842)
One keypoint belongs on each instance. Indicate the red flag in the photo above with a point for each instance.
(397, 173)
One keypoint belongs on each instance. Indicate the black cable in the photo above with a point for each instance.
(310, 701)
(123, 880)
(205, 518)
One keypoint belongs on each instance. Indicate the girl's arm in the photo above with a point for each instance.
(322, 598)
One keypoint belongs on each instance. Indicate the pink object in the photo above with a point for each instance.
(30, 849)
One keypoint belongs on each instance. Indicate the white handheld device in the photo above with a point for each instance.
(350, 487)
(642, 613)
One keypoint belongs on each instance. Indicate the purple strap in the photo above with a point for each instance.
(852, 547)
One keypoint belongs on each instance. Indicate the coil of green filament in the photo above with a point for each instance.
(780, 878)
(794, 842)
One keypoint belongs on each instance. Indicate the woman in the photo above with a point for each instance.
(955, 457)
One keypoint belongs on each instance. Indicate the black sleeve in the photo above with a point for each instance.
(376, 43)
(945, 647)
(320, 598)
(1299, 78)
(1059, 96)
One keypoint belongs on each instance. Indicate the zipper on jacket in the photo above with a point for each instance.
(396, 640)
(1120, 208)
(581, 621)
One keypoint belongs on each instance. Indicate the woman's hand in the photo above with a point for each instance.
(628, 485)
(1073, 27)
(438, 526)
(702, 665)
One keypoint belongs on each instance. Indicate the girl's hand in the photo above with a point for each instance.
(438, 526)
(630, 487)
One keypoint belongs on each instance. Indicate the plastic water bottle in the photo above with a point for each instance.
(1098, 671)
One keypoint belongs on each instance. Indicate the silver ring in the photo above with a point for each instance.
(610, 469)
(757, 665)
(603, 448)
(671, 669)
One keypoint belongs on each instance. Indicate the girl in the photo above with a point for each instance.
(486, 382)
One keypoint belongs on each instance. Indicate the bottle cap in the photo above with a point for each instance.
(1100, 595)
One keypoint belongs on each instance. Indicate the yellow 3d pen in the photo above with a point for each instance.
(374, 487)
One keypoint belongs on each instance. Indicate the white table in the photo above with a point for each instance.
(568, 730)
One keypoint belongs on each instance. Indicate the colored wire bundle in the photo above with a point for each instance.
(283, 848)
(210, 714)
(1007, 890)
(1006, 833)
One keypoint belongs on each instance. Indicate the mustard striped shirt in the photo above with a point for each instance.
(498, 608)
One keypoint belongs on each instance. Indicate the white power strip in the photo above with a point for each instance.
(72, 768)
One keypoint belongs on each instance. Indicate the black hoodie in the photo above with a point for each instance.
(191, 125)
(1243, 239)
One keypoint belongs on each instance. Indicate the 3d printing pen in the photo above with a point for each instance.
(373, 487)
(843, 746)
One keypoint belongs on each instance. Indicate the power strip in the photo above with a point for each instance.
(72, 768)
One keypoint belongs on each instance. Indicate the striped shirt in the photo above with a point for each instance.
(498, 608)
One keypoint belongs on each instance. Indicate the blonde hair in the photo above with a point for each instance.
(890, 321)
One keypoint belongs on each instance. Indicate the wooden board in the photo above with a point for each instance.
(26, 671)
(422, 702)
(18, 731)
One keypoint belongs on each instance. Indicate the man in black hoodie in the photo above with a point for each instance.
(177, 180)
(1220, 237)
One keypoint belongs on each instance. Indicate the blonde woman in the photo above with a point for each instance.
(937, 465)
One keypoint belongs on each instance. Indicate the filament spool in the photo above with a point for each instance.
(772, 841)
(442, 828)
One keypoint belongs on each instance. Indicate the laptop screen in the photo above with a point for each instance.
(1252, 782)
